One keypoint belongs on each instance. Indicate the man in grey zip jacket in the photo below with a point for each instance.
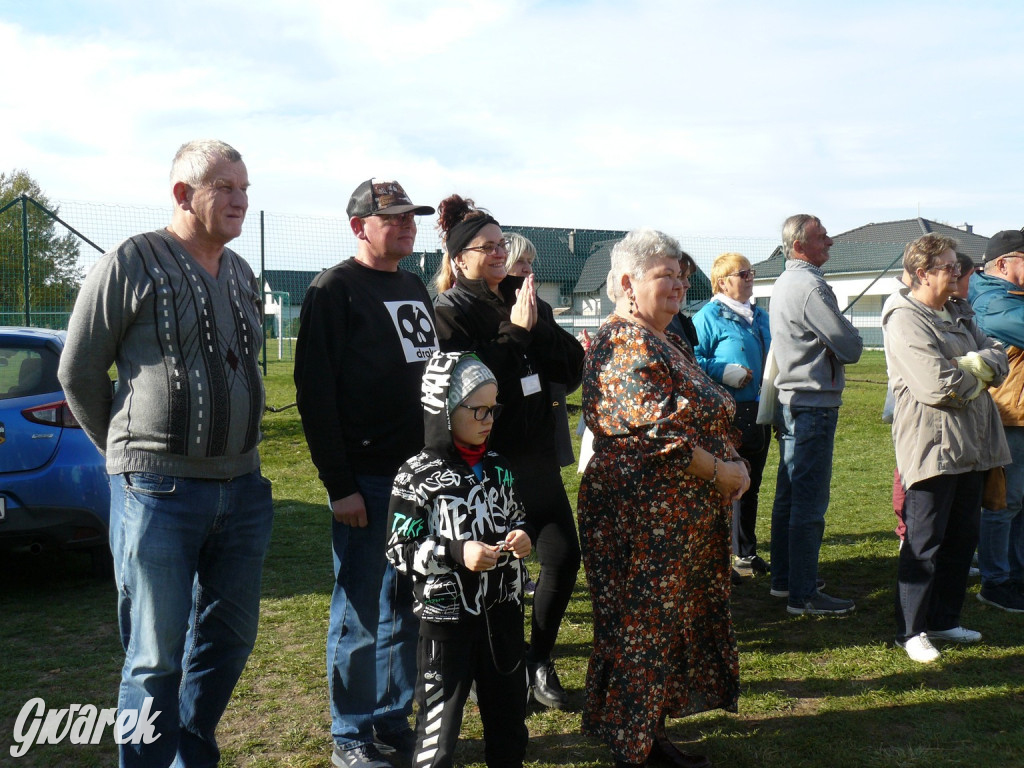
(812, 344)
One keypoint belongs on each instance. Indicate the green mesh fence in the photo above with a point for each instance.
(288, 251)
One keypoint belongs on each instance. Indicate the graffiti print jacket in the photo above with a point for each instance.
(437, 505)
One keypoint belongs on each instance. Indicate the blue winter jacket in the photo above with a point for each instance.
(998, 308)
(724, 337)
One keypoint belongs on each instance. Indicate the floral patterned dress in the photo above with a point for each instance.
(655, 540)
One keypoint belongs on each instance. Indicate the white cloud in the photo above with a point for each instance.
(699, 117)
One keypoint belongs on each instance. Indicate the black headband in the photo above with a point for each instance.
(463, 233)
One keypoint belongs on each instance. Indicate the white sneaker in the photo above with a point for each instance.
(955, 635)
(920, 649)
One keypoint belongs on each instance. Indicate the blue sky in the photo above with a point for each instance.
(698, 118)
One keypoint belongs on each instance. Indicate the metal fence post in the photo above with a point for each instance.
(24, 255)
(263, 280)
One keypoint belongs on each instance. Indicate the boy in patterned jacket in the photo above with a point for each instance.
(459, 530)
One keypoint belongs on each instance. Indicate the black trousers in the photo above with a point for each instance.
(558, 548)
(941, 515)
(445, 671)
(744, 511)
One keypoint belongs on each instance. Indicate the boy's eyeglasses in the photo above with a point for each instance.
(489, 249)
(481, 412)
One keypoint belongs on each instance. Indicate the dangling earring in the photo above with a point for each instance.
(632, 306)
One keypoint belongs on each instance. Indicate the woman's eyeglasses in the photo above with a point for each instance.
(953, 269)
(744, 274)
(481, 412)
(489, 249)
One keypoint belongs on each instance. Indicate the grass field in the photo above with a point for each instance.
(816, 692)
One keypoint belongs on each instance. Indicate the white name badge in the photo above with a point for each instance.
(531, 384)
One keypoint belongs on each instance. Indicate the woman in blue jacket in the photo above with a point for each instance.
(732, 343)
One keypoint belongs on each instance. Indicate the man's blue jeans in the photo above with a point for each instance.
(1001, 535)
(188, 559)
(371, 640)
(806, 437)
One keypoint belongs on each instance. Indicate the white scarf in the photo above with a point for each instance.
(746, 311)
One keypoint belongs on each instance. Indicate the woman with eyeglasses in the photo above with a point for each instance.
(947, 432)
(480, 308)
(732, 343)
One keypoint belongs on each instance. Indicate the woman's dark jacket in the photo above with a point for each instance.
(470, 317)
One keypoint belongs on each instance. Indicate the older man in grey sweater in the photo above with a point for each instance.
(812, 343)
(190, 514)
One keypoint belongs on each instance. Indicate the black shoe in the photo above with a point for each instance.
(759, 566)
(755, 563)
(546, 687)
(737, 578)
(665, 753)
(363, 756)
(1002, 596)
(398, 746)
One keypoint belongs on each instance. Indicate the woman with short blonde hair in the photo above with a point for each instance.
(733, 339)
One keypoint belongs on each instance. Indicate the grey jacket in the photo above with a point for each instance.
(936, 430)
(811, 340)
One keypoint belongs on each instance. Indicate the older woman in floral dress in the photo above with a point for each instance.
(655, 517)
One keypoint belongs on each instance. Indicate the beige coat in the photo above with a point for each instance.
(936, 429)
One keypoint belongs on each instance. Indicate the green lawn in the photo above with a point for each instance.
(816, 692)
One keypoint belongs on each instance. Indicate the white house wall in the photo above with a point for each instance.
(866, 313)
(845, 288)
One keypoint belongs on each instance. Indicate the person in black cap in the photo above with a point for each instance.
(998, 301)
(366, 330)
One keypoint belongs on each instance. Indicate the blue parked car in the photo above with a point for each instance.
(54, 492)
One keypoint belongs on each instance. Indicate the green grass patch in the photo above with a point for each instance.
(816, 692)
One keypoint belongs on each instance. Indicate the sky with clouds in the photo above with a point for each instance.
(692, 116)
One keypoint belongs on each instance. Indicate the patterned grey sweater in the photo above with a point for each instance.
(190, 395)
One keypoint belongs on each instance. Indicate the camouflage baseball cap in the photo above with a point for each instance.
(373, 197)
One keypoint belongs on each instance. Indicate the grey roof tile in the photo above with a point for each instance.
(875, 247)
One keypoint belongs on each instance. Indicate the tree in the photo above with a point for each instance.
(54, 273)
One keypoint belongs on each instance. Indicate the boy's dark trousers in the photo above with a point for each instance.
(447, 667)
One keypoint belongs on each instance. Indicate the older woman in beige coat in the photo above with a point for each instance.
(947, 433)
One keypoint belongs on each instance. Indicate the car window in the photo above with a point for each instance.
(27, 372)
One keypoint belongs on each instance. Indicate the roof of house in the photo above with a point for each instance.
(293, 282)
(595, 274)
(844, 259)
(876, 247)
(562, 253)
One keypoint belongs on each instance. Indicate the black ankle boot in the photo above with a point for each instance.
(546, 687)
(667, 754)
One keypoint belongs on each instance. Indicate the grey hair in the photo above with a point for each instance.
(636, 253)
(795, 229)
(193, 159)
(519, 247)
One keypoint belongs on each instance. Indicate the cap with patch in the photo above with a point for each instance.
(374, 197)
